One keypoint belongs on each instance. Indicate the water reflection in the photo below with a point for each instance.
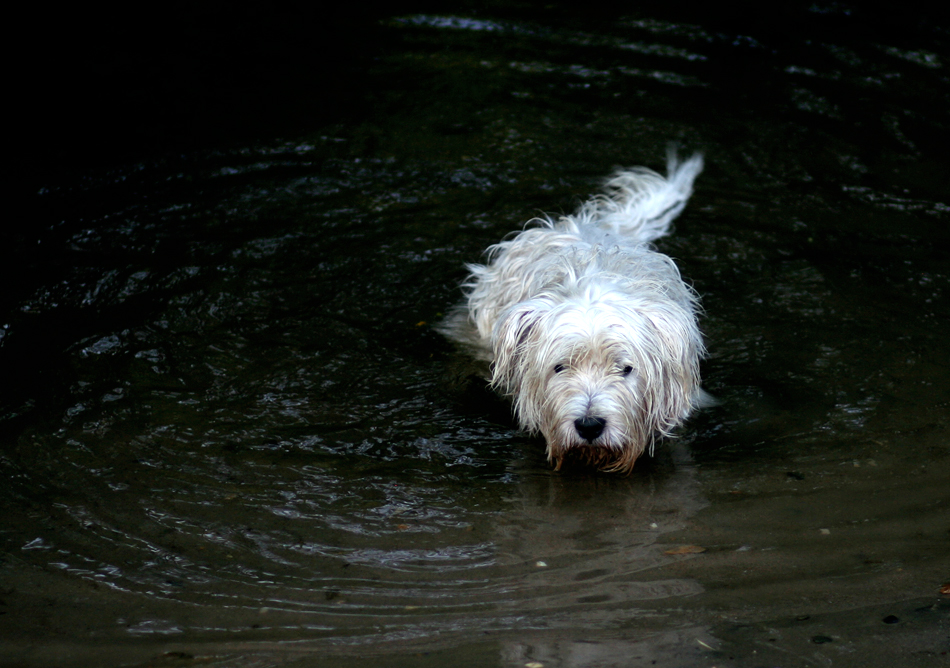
(169, 513)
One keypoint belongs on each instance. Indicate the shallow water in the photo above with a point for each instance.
(230, 434)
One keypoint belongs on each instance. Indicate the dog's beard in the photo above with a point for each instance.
(598, 395)
(613, 409)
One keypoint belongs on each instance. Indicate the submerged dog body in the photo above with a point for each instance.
(591, 332)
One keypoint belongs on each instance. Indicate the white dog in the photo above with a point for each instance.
(591, 332)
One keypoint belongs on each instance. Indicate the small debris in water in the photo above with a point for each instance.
(890, 619)
(686, 549)
(821, 640)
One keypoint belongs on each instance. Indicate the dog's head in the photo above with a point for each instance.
(601, 375)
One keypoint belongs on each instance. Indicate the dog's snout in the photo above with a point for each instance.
(590, 427)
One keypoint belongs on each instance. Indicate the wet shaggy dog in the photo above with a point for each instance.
(590, 331)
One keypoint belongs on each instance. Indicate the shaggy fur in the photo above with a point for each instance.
(591, 332)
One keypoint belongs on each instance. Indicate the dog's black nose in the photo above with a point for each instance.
(590, 427)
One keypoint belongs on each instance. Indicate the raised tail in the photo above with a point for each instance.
(639, 204)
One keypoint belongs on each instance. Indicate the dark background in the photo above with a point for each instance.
(97, 87)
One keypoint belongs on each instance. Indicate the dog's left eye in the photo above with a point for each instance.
(627, 370)
(558, 368)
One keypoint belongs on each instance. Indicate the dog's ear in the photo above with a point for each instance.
(512, 338)
(673, 389)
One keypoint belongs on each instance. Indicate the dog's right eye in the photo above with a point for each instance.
(558, 368)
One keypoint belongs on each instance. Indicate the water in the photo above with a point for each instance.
(230, 434)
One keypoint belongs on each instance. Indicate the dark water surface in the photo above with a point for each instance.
(229, 434)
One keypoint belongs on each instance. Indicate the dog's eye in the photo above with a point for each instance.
(627, 370)
(558, 368)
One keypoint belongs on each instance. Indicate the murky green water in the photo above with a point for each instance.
(230, 435)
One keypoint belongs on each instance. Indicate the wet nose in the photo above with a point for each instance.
(590, 427)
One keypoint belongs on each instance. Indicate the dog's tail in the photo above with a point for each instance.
(639, 204)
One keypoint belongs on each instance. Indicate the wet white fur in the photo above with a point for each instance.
(581, 319)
